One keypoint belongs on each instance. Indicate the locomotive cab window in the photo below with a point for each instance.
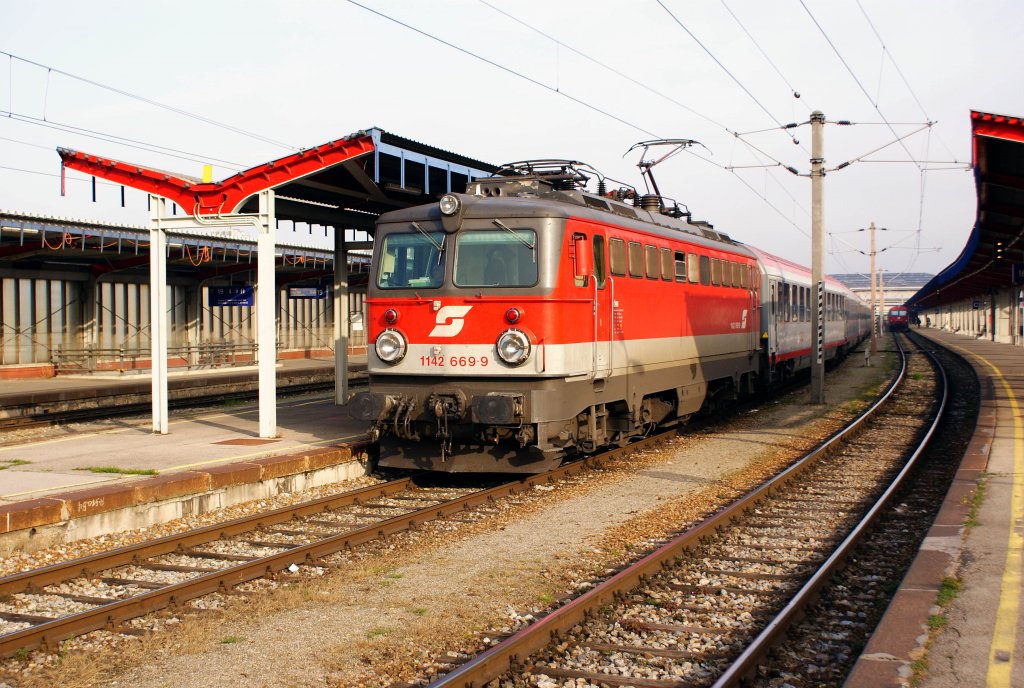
(496, 258)
(412, 260)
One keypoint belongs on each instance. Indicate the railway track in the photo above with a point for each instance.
(705, 608)
(41, 607)
(118, 411)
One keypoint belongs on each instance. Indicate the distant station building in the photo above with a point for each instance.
(893, 288)
(981, 293)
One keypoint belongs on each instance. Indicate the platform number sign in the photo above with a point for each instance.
(232, 296)
(1018, 273)
(976, 304)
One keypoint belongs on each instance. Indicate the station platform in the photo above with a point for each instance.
(119, 464)
(983, 641)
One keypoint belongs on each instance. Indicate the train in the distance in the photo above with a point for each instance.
(898, 319)
(528, 320)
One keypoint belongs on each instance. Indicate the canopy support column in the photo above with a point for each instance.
(266, 317)
(341, 317)
(158, 312)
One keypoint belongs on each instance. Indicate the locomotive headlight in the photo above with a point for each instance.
(513, 347)
(390, 346)
(449, 204)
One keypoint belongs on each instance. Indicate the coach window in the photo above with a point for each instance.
(692, 267)
(496, 258)
(636, 259)
(680, 262)
(651, 261)
(668, 270)
(705, 270)
(599, 263)
(617, 254)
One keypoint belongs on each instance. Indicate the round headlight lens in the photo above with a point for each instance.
(513, 347)
(390, 346)
(449, 204)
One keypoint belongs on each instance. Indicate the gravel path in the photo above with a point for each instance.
(390, 613)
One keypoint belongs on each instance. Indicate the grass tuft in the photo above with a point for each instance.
(121, 471)
(949, 590)
(232, 639)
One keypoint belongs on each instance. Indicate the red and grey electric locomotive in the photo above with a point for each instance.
(528, 320)
(898, 319)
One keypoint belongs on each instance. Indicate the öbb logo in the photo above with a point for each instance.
(450, 321)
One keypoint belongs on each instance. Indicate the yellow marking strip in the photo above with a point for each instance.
(1004, 636)
(239, 457)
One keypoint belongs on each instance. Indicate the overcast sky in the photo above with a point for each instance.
(594, 77)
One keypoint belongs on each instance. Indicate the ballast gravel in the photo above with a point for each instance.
(403, 609)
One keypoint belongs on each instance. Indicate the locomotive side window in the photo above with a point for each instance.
(668, 270)
(600, 271)
(731, 278)
(636, 259)
(692, 267)
(412, 260)
(680, 261)
(617, 251)
(651, 261)
(705, 270)
(743, 276)
(496, 258)
(716, 271)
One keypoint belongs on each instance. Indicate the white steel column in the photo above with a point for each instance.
(341, 318)
(158, 312)
(266, 320)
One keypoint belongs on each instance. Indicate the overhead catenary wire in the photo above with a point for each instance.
(789, 85)
(856, 79)
(635, 81)
(149, 101)
(724, 68)
(120, 140)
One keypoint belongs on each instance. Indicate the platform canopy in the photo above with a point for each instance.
(996, 241)
(342, 183)
(345, 184)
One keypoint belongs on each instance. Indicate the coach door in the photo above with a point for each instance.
(754, 277)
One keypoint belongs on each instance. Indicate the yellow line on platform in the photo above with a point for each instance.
(1004, 636)
(240, 457)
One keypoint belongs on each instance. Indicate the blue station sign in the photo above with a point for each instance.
(232, 296)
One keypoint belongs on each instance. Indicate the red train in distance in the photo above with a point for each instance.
(529, 320)
(898, 319)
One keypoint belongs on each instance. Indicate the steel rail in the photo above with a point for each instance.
(512, 652)
(748, 660)
(173, 595)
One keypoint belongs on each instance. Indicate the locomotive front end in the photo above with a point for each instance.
(456, 308)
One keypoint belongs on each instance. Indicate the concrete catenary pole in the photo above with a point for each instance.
(817, 256)
(874, 318)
